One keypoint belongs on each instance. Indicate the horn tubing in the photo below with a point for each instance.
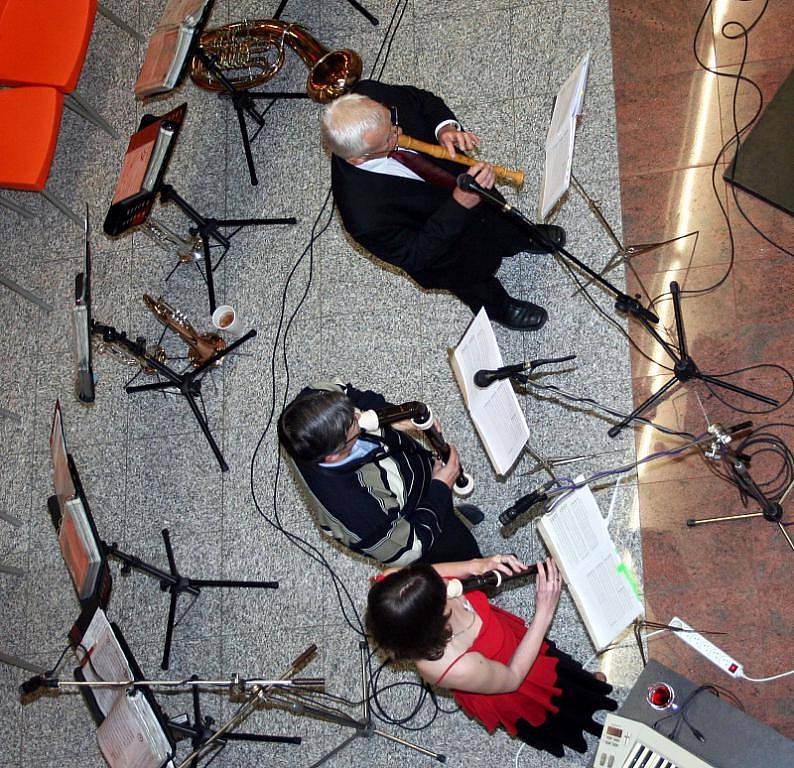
(419, 412)
(436, 150)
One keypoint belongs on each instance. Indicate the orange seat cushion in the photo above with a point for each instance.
(44, 42)
(30, 119)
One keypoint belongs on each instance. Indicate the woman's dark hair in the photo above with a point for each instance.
(405, 613)
(315, 424)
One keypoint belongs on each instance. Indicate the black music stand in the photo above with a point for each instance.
(186, 384)
(172, 581)
(142, 179)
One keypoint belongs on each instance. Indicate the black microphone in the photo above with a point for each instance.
(525, 502)
(37, 681)
(468, 183)
(484, 377)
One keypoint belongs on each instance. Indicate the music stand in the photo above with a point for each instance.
(187, 384)
(83, 551)
(558, 174)
(141, 181)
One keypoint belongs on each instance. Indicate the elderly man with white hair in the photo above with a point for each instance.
(405, 208)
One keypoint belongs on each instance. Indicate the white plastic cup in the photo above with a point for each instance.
(225, 319)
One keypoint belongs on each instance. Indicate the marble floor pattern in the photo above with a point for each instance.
(143, 462)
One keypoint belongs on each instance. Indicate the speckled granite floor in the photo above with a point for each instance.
(144, 463)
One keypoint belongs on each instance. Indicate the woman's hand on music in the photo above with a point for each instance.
(548, 587)
(507, 564)
(452, 139)
(484, 175)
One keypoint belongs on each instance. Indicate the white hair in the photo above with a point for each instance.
(346, 120)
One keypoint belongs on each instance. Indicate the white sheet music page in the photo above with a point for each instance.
(107, 660)
(560, 136)
(495, 411)
(576, 535)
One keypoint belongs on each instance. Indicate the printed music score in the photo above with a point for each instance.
(495, 411)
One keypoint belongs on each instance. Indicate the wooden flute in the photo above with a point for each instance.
(436, 150)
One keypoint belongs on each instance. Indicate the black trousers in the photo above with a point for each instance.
(455, 543)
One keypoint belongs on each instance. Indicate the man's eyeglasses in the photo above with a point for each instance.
(393, 116)
(391, 143)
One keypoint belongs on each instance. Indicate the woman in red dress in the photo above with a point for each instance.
(501, 671)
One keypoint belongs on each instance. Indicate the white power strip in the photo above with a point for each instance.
(715, 655)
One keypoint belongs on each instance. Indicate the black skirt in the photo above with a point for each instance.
(582, 696)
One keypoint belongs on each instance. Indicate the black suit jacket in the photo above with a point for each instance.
(412, 224)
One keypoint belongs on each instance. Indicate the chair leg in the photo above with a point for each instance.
(80, 107)
(25, 294)
(120, 23)
(63, 208)
(20, 209)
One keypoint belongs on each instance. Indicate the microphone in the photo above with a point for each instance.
(37, 681)
(484, 377)
(525, 502)
(468, 183)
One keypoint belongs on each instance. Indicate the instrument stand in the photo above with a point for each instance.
(243, 102)
(363, 728)
(772, 511)
(684, 367)
(172, 581)
(186, 384)
(201, 732)
(360, 8)
(208, 228)
(623, 253)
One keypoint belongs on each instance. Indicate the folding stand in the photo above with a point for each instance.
(208, 228)
(363, 728)
(623, 253)
(200, 732)
(684, 367)
(186, 384)
(173, 582)
(771, 511)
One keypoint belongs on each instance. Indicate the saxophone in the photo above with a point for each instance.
(249, 53)
(201, 347)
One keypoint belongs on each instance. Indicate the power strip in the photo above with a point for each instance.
(707, 648)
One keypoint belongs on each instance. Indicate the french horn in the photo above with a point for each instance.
(249, 53)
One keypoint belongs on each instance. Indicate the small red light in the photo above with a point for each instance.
(733, 668)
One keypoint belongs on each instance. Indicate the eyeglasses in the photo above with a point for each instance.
(391, 142)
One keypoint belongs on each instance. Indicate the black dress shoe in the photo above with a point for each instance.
(471, 513)
(520, 315)
(552, 233)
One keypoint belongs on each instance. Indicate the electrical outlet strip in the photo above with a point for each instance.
(707, 648)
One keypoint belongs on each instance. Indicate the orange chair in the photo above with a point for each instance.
(44, 43)
(30, 120)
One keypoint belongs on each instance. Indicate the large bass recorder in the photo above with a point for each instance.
(422, 418)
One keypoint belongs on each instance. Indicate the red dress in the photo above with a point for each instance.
(554, 703)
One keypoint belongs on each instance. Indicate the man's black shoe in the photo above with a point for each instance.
(552, 233)
(473, 514)
(520, 315)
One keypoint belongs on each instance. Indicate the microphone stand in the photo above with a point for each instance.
(684, 367)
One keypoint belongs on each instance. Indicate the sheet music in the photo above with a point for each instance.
(577, 537)
(107, 660)
(131, 736)
(495, 411)
(79, 548)
(560, 136)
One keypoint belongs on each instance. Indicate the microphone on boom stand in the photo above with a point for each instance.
(484, 378)
(526, 502)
